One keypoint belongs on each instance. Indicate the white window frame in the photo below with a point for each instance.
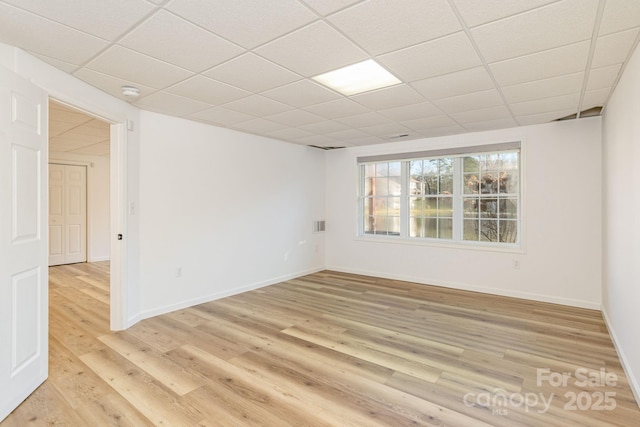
(457, 153)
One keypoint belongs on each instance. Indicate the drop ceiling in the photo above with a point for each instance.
(72, 131)
(465, 65)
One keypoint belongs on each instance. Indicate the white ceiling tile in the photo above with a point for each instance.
(301, 94)
(319, 141)
(288, 134)
(454, 84)
(252, 73)
(429, 122)
(50, 39)
(410, 112)
(313, 50)
(542, 65)
(546, 117)
(208, 90)
(368, 140)
(481, 115)
(72, 140)
(97, 17)
(562, 85)
(595, 98)
(111, 85)
(380, 26)
(64, 66)
(476, 12)
(605, 77)
(259, 126)
(257, 106)
(442, 131)
(295, 118)
(324, 127)
(327, 7)
(135, 67)
(555, 25)
(471, 101)
(348, 134)
(386, 130)
(64, 115)
(100, 149)
(620, 15)
(248, 23)
(153, 38)
(168, 103)
(365, 119)
(90, 129)
(339, 108)
(491, 125)
(390, 97)
(538, 106)
(614, 48)
(432, 58)
(221, 116)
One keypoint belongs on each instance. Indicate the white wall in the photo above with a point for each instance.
(561, 257)
(621, 207)
(98, 236)
(233, 211)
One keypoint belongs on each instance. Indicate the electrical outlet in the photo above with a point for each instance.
(516, 264)
(178, 271)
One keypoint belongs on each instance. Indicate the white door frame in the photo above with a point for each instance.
(117, 207)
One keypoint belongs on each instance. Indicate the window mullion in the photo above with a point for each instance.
(404, 199)
(458, 179)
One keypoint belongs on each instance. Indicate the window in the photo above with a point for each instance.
(464, 194)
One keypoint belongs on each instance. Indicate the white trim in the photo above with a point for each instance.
(442, 243)
(473, 288)
(624, 361)
(99, 259)
(118, 250)
(117, 184)
(218, 295)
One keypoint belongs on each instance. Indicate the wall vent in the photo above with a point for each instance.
(319, 226)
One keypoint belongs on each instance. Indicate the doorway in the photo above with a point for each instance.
(79, 183)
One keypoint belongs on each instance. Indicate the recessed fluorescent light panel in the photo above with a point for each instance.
(357, 78)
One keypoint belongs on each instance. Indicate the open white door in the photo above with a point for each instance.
(23, 240)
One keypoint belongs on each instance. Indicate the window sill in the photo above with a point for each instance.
(473, 246)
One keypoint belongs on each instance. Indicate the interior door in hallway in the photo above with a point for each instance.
(67, 214)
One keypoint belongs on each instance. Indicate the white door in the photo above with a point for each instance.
(23, 240)
(67, 214)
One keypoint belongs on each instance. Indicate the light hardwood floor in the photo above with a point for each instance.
(328, 349)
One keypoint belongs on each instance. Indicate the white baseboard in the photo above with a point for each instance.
(633, 382)
(212, 297)
(99, 259)
(473, 288)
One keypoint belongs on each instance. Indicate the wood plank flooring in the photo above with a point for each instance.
(328, 349)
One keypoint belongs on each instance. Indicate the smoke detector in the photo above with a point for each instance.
(130, 91)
